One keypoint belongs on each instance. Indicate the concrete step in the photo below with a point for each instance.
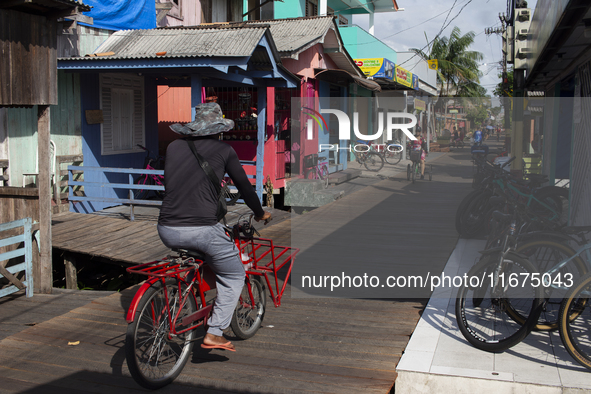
(343, 176)
(309, 193)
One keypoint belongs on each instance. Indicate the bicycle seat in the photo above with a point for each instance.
(196, 254)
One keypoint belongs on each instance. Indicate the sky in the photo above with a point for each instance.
(407, 29)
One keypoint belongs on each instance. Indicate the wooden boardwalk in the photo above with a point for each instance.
(328, 345)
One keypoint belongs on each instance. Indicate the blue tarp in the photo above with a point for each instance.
(122, 14)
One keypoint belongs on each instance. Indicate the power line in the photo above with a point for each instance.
(440, 31)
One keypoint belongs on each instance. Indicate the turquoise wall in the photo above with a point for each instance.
(65, 122)
(360, 44)
(289, 9)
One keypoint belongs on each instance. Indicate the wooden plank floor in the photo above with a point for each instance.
(316, 345)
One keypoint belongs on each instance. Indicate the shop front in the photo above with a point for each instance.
(126, 85)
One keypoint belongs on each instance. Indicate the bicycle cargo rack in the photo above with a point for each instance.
(267, 260)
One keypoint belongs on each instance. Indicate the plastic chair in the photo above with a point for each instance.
(52, 151)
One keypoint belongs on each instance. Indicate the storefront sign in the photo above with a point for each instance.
(420, 105)
(377, 67)
(380, 67)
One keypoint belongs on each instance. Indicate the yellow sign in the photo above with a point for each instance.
(370, 67)
(403, 77)
(419, 105)
(433, 64)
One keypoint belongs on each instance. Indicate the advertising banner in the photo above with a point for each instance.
(377, 67)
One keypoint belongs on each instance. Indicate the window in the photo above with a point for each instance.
(122, 102)
(311, 7)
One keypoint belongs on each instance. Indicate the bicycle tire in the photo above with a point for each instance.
(413, 174)
(473, 220)
(246, 320)
(462, 208)
(392, 158)
(481, 315)
(557, 199)
(142, 194)
(374, 162)
(575, 321)
(147, 336)
(311, 173)
(231, 196)
(324, 175)
(408, 172)
(544, 253)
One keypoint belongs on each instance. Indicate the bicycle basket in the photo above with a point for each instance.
(311, 160)
(415, 155)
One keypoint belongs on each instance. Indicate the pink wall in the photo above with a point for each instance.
(308, 60)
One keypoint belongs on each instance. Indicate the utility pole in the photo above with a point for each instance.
(507, 50)
(521, 22)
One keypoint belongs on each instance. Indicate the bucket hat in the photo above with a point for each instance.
(208, 121)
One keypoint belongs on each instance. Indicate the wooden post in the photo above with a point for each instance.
(71, 273)
(43, 136)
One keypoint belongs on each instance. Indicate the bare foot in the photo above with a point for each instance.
(215, 341)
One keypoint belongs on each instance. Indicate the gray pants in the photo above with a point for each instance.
(213, 241)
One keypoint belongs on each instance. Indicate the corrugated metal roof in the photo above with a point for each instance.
(191, 42)
(296, 34)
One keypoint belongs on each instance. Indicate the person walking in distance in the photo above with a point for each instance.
(189, 217)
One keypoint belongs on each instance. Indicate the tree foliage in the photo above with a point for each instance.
(500, 91)
(458, 66)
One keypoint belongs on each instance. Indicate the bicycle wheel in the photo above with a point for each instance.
(311, 173)
(231, 193)
(413, 174)
(462, 208)
(247, 319)
(154, 357)
(324, 175)
(545, 253)
(474, 218)
(392, 157)
(142, 194)
(575, 321)
(373, 162)
(408, 170)
(481, 309)
(555, 204)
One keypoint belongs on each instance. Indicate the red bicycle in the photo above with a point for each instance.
(172, 303)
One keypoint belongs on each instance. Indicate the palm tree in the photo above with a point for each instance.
(458, 67)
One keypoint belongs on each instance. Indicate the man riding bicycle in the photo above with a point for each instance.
(188, 217)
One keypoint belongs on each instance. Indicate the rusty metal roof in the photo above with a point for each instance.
(181, 42)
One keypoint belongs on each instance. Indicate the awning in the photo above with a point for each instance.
(343, 78)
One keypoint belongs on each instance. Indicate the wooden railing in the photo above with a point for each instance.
(24, 250)
(130, 186)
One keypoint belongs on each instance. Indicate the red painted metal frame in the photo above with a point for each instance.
(260, 248)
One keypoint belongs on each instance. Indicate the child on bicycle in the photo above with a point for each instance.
(188, 217)
(420, 145)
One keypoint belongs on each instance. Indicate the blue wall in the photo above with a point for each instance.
(91, 144)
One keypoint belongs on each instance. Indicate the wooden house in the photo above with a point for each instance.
(29, 86)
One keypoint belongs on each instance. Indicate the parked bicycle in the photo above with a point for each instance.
(364, 154)
(151, 162)
(390, 152)
(169, 307)
(316, 168)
